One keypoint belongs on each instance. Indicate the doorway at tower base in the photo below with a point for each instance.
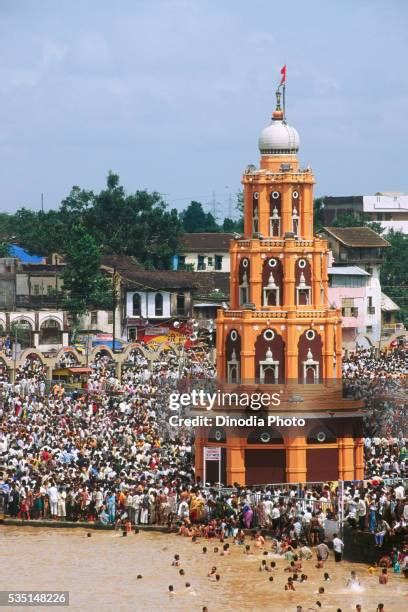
(322, 464)
(265, 466)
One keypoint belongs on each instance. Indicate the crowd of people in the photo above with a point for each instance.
(110, 456)
(382, 382)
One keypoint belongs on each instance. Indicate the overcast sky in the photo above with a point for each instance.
(172, 94)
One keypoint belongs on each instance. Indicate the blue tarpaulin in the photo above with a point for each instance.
(22, 255)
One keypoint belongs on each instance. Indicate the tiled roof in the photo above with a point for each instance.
(121, 262)
(134, 276)
(357, 236)
(198, 243)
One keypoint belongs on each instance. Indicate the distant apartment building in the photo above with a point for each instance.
(205, 252)
(354, 282)
(387, 208)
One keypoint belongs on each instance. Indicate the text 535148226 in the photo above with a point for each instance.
(34, 598)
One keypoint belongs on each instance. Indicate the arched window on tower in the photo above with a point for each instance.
(268, 369)
(303, 283)
(271, 292)
(243, 290)
(158, 305)
(274, 214)
(310, 370)
(295, 221)
(255, 217)
(137, 305)
(233, 369)
(302, 292)
(295, 212)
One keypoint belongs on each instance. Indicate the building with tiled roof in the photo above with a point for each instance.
(357, 253)
(208, 251)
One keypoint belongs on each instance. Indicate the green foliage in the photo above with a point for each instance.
(318, 214)
(195, 220)
(4, 249)
(394, 271)
(5, 226)
(84, 284)
(136, 224)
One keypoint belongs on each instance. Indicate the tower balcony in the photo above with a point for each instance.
(264, 244)
(274, 313)
(265, 177)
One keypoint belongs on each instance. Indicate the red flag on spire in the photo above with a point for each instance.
(283, 73)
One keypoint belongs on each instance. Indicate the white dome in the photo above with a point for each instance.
(278, 138)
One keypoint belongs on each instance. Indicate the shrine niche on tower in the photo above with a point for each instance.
(280, 334)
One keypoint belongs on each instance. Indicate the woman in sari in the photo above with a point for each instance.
(111, 506)
(196, 508)
(247, 515)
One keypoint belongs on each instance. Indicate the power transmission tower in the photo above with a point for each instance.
(214, 206)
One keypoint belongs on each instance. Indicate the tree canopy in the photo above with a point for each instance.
(394, 271)
(137, 224)
(84, 284)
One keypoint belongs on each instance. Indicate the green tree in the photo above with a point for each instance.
(394, 271)
(194, 219)
(5, 225)
(41, 233)
(4, 249)
(84, 284)
(138, 224)
(318, 214)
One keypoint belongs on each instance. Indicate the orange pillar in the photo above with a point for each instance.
(255, 294)
(296, 467)
(220, 342)
(307, 216)
(248, 191)
(316, 281)
(263, 210)
(247, 351)
(286, 208)
(235, 459)
(291, 353)
(199, 445)
(288, 280)
(234, 276)
(328, 350)
(359, 459)
(346, 465)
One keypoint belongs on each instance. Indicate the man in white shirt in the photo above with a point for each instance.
(53, 497)
(337, 548)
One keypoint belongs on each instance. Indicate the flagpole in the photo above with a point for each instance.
(219, 470)
(204, 468)
(283, 101)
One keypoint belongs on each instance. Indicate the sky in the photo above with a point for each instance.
(172, 95)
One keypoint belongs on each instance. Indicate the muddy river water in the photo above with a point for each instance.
(100, 574)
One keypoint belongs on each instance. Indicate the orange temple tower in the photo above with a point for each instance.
(280, 335)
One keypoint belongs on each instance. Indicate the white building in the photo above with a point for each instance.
(205, 252)
(358, 294)
(388, 209)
